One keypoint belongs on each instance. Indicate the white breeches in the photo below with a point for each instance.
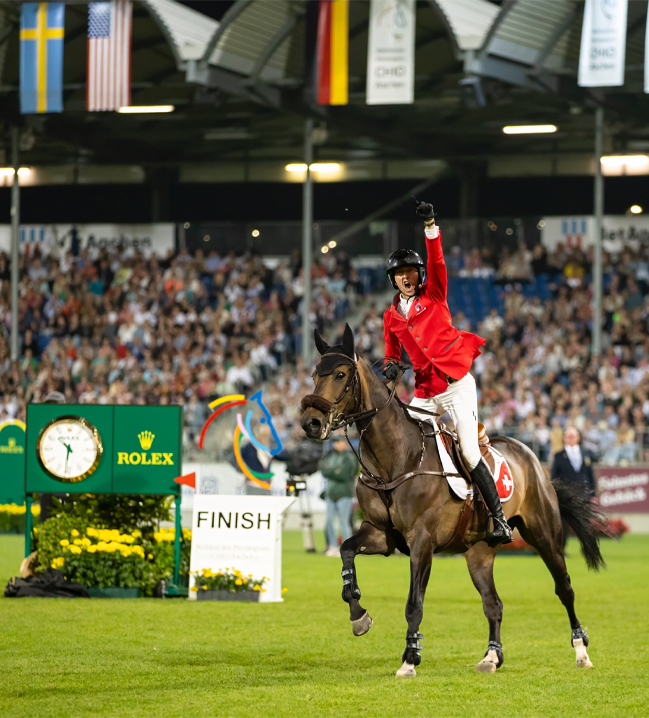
(461, 402)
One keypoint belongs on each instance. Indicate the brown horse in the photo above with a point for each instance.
(420, 515)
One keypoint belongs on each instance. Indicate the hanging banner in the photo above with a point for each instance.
(391, 53)
(332, 57)
(603, 43)
(646, 57)
(41, 57)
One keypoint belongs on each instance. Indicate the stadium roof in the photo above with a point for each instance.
(235, 72)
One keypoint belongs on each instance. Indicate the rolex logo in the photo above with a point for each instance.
(146, 439)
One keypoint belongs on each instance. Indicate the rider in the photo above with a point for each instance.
(419, 320)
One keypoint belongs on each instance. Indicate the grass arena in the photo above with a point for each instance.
(175, 658)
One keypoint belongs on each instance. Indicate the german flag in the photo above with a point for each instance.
(333, 44)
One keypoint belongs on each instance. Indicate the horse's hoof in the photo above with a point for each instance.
(362, 625)
(406, 671)
(486, 666)
(582, 656)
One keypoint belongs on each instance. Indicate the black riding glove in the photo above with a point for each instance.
(391, 371)
(425, 211)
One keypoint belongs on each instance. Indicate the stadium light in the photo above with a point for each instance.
(618, 161)
(315, 167)
(529, 129)
(9, 171)
(255, 233)
(635, 209)
(324, 249)
(324, 167)
(145, 109)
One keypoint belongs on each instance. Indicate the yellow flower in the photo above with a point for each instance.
(74, 532)
(92, 549)
(238, 582)
(136, 534)
(284, 590)
(77, 542)
(256, 587)
(263, 590)
(91, 532)
(149, 556)
(64, 542)
(204, 588)
(75, 549)
(85, 541)
(194, 588)
(249, 575)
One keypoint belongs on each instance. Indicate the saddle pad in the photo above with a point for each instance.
(502, 475)
(457, 484)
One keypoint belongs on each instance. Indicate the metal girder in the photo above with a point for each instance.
(449, 30)
(555, 37)
(230, 82)
(506, 9)
(272, 47)
(230, 16)
(487, 66)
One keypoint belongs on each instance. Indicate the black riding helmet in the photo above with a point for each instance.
(405, 258)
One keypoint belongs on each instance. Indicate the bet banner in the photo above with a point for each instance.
(603, 44)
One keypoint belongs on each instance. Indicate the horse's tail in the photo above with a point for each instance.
(585, 520)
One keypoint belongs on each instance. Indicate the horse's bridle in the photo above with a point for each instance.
(338, 420)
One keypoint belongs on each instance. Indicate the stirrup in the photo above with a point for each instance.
(501, 534)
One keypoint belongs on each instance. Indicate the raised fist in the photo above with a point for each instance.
(425, 211)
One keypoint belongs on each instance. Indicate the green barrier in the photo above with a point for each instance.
(12, 462)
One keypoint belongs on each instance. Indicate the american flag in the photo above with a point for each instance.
(109, 55)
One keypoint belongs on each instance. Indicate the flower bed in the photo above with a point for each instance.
(12, 517)
(108, 558)
(227, 585)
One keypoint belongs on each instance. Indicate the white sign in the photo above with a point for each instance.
(240, 532)
(391, 53)
(603, 43)
(159, 238)
(618, 232)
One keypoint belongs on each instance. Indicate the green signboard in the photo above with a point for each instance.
(12, 462)
(103, 449)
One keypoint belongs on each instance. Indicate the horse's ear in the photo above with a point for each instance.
(320, 343)
(348, 342)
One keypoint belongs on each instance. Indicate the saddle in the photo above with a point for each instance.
(474, 516)
(453, 447)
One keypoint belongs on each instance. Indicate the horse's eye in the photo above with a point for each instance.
(340, 375)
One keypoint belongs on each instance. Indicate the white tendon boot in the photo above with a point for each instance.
(580, 643)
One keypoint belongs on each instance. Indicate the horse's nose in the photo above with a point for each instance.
(311, 425)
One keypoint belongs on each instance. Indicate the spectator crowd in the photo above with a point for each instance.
(117, 329)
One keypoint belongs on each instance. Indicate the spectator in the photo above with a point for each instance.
(574, 466)
(340, 468)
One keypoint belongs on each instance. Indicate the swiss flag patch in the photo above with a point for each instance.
(502, 476)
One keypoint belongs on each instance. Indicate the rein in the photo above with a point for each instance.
(340, 420)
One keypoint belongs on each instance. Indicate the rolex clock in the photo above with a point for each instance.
(69, 449)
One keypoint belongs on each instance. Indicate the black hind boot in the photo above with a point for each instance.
(483, 479)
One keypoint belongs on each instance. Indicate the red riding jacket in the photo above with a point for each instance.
(436, 348)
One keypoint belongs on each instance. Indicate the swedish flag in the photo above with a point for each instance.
(41, 57)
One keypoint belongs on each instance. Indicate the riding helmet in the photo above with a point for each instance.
(405, 258)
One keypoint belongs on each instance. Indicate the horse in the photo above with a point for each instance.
(408, 505)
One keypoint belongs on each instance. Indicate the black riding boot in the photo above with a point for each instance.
(483, 479)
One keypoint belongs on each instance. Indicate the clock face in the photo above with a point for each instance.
(69, 449)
